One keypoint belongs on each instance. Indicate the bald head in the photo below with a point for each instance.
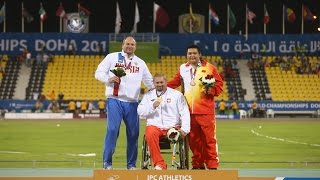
(129, 45)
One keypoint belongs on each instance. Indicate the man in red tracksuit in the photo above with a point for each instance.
(200, 98)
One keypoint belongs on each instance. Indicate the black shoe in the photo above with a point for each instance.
(212, 168)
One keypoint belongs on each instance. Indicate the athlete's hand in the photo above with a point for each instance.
(156, 104)
(114, 79)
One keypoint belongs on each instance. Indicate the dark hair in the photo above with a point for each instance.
(193, 46)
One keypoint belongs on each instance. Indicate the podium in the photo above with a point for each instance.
(165, 174)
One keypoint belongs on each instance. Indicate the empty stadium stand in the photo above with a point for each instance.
(8, 82)
(36, 80)
(73, 75)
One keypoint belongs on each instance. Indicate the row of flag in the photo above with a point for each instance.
(162, 18)
(289, 14)
(60, 12)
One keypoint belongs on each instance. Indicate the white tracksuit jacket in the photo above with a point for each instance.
(173, 110)
(130, 85)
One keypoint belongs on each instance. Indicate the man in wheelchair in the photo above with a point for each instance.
(167, 115)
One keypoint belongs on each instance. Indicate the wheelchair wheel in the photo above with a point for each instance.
(184, 153)
(145, 160)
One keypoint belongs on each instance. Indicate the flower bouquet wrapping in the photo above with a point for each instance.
(119, 72)
(207, 81)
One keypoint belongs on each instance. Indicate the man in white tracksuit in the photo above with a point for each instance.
(163, 108)
(123, 94)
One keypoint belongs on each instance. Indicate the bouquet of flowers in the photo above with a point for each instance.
(119, 72)
(207, 81)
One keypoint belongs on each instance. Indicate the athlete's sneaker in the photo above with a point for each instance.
(132, 168)
(108, 168)
(157, 167)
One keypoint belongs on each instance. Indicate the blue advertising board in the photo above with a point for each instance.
(170, 44)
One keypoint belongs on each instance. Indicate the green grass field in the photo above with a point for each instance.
(260, 143)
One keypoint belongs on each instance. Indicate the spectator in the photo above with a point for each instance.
(28, 59)
(254, 107)
(60, 98)
(78, 106)
(102, 106)
(234, 107)
(51, 95)
(54, 107)
(222, 107)
(39, 106)
(39, 59)
(91, 107)
(72, 106)
(84, 106)
(71, 49)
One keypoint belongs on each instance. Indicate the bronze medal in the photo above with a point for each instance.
(192, 83)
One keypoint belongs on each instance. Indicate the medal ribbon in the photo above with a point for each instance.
(158, 95)
(193, 74)
(125, 64)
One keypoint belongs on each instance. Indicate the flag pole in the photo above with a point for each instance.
(302, 20)
(246, 14)
(60, 20)
(154, 18)
(264, 24)
(60, 24)
(41, 23)
(228, 19)
(209, 21)
(4, 17)
(22, 18)
(283, 23)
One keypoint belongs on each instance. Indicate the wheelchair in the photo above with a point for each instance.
(179, 151)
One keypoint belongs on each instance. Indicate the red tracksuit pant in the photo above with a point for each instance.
(153, 135)
(203, 142)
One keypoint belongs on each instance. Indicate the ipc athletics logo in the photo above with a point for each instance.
(75, 24)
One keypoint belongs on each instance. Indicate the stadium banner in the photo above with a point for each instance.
(277, 105)
(13, 44)
(170, 44)
(234, 46)
(20, 105)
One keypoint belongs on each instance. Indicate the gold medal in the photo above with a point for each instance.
(192, 83)
(159, 99)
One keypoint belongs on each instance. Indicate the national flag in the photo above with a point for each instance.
(61, 12)
(83, 12)
(213, 15)
(250, 15)
(42, 13)
(266, 17)
(307, 14)
(27, 15)
(291, 16)
(162, 18)
(232, 19)
(2, 13)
